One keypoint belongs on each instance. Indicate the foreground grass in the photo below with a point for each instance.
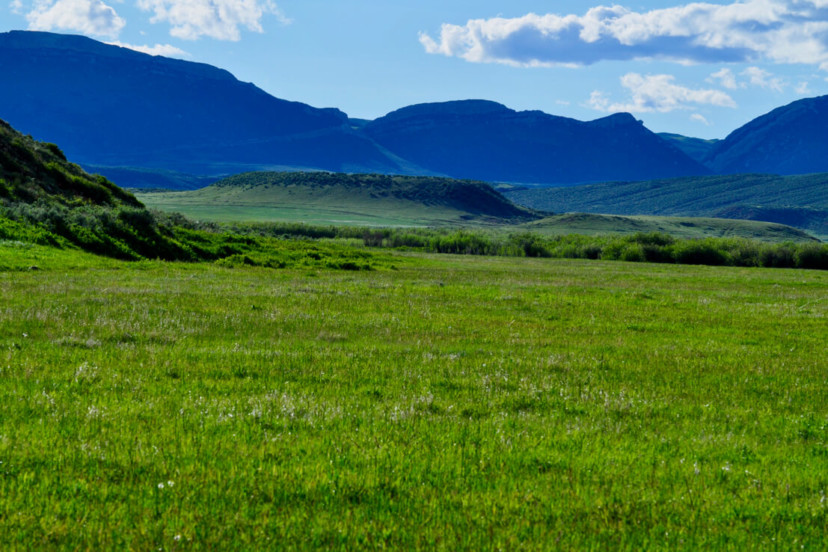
(454, 403)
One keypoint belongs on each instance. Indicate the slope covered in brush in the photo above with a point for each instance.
(46, 199)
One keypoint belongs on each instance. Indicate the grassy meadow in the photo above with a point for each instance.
(436, 402)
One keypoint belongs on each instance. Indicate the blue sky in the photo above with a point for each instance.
(700, 69)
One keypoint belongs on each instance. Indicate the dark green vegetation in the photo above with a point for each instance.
(335, 198)
(800, 201)
(640, 247)
(454, 403)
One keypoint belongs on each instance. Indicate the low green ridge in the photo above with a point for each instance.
(800, 201)
(336, 198)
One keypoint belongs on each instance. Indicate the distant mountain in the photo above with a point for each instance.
(789, 140)
(108, 105)
(114, 108)
(800, 200)
(695, 148)
(485, 140)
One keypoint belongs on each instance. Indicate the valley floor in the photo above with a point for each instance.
(445, 403)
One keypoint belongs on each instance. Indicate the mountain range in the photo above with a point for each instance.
(153, 121)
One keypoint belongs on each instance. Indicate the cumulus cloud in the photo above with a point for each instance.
(658, 93)
(752, 76)
(780, 31)
(725, 78)
(166, 50)
(91, 17)
(763, 79)
(219, 19)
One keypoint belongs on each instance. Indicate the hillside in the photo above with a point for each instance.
(800, 201)
(789, 140)
(678, 227)
(485, 140)
(46, 199)
(344, 199)
(118, 107)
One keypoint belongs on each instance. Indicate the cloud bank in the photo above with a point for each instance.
(779, 31)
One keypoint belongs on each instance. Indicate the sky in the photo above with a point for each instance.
(700, 69)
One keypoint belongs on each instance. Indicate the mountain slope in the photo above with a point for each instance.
(113, 106)
(789, 140)
(800, 201)
(364, 199)
(485, 140)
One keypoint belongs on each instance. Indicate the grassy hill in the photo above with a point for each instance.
(333, 198)
(678, 227)
(800, 200)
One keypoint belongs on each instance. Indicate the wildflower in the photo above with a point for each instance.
(177, 538)
(161, 485)
(170, 483)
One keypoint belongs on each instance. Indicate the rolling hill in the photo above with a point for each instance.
(370, 199)
(485, 140)
(678, 227)
(800, 201)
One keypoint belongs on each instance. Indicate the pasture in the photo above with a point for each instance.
(439, 402)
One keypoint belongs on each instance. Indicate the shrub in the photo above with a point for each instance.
(812, 255)
(699, 252)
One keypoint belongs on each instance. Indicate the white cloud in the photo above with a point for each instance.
(752, 76)
(219, 19)
(726, 78)
(804, 88)
(699, 118)
(16, 7)
(779, 31)
(166, 50)
(658, 93)
(91, 17)
(763, 79)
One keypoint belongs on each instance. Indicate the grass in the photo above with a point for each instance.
(449, 403)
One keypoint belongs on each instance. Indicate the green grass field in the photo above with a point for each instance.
(448, 402)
